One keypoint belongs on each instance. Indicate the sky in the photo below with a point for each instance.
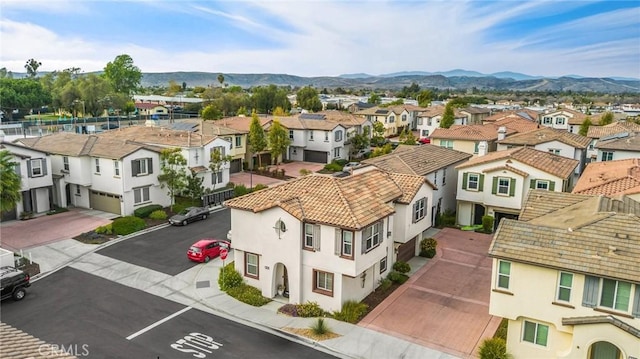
(326, 37)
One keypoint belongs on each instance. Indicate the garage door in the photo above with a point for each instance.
(408, 250)
(236, 166)
(105, 202)
(315, 156)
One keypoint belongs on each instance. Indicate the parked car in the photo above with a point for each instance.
(206, 249)
(424, 140)
(13, 283)
(110, 126)
(350, 166)
(188, 215)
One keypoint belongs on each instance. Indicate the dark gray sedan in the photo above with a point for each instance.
(188, 215)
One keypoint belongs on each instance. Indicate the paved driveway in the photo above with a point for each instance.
(445, 305)
(290, 169)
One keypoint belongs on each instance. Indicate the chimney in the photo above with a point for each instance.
(502, 133)
(482, 148)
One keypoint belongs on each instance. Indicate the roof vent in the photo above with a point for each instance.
(613, 250)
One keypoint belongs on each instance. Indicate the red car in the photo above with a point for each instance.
(206, 249)
(424, 140)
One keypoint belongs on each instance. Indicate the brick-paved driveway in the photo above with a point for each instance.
(445, 305)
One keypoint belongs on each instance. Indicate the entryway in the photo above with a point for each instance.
(281, 281)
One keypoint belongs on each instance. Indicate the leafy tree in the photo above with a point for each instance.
(211, 112)
(279, 140)
(174, 88)
(10, 182)
(257, 138)
(184, 86)
(32, 67)
(129, 108)
(411, 91)
(606, 118)
(374, 99)
(448, 118)
(92, 90)
(266, 99)
(378, 133)
(217, 161)
(308, 99)
(424, 98)
(21, 94)
(360, 141)
(5, 74)
(221, 79)
(584, 126)
(379, 151)
(194, 189)
(394, 103)
(173, 174)
(407, 137)
(123, 75)
(279, 111)
(242, 111)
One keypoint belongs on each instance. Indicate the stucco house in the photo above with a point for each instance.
(619, 147)
(523, 113)
(475, 115)
(563, 119)
(147, 110)
(428, 120)
(34, 168)
(326, 239)
(496, 184)
(567, 279)
(611, 178)
(607, 132)
(394, 118)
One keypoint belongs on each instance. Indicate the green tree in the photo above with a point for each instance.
(280, 112)
(10, 182)
(32, 67)
(379, 151)
(266, 99)
(606, 118)
(173, 88)
(173, 174)
(424, 98)
(221, 79)
(308, 99)
(123, 75)
(21, 94)
(378, 133)
(374, 99)
(407, 137)
(211, 112)
(217, 161)
(194, 189)
(359, 141)
(448, 118)
(92, 90)
(279, 141)
(257, 139)
(129, 108)
(584, 126)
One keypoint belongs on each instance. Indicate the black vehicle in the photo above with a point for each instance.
(110, 126)
(189, 215)
(13, 283)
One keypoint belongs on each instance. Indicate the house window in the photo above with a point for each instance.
(504, 273)
(547, 120)
(65, 163)
(371, 236)
(220, 150)
(425, 133)
(291, 135)
(310, 135)
(36, 168)
(216, 177)
(535, 333)
(347, 244)
(446, 143)
(238, 141)
(78, 190)
(336, 152)
(141, 195)
(565, 281)
(615, 294)
(473, 181)
(435, 177)
(555, 151)
(476, 148)
(444, 176)
(503, 185)
(326, 136)
(116, 168)
(323, 282)
(429, 121)
(420, 120)
(311, 237)
(607, 156)
(404, 117)
(392, 119)
(338, 136)
(560, 121)
(383, 264)
(419, 209)
(251, 268)
(97, 160)
(141, 167)
(228, 139)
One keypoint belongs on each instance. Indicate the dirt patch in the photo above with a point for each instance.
(378, 296)
(308, 333)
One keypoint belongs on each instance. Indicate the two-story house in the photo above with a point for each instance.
(428, 120)
(34, 168)
(619, 147)
(560, 142)
(147, 110)
(394, 118)
(607, 132)
(475, 115)
(525, 114)
(325, 239)
(238, 128)
(496, 184)
(238, 139)
(611, 178)
(436, 164)
(563, 119)
(567, 279)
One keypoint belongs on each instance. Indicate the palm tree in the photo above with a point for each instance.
(10, 182)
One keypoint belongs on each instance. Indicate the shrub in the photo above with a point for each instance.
(229, 277)
(397, 277)
(385, 283)
(502, 330)
(310, 309)
(446, 219)
(144, 212)
(304, 172)
(106, 229)
(240, 190)
(428, 247)
(158, 215)
(341, 162)
(402, 267)
(487, 224)
(259, 186)
(333, 167)
(351, 312)
(248, 294)
(289, 309)
(493, 348)
(127, 225)
(319, 327)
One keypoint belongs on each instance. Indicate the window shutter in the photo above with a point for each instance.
(29, 168)
(413, 213)
(135, 167)
(316, 237)
(149, 165)
(363, 244)
(481, 183)
(44, 166)
(512, 187)
(18, 169)
(465, 178)
(383, 233)
(338, 242)
(532, 183)
(590, 293)
(636, 303)
(552, 186)
(494, 187)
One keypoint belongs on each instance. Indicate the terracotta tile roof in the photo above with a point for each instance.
(147, 105)
(602, 319)
(159, 136)
(516, 124)
(351, 202)
(526, 114)
(468, 132)
(438, 110)
(16, 344)
(573, 117)
(410, 185)
(508, 168)
(417, 160)
(628, 143)
(610, 178)
(544, 161)
(612, 129)
(476, 110)
(242, 123)
(547, 134)
(594, 235)
(214, 128)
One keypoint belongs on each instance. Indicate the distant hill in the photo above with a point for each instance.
(504, 81)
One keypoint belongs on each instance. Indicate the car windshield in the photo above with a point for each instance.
(195, 249)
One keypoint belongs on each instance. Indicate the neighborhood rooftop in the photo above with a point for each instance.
(547, 134)
(417, 160)
(610, 178)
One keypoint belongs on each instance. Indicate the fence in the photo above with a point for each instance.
(216, 198)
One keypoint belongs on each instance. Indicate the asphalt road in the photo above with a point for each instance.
(165, 250)
(96, 318)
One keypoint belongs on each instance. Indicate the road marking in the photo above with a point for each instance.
(141, 331)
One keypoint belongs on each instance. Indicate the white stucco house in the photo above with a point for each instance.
(563, 119)
(326, 239)
(619, 147)
(428, 120)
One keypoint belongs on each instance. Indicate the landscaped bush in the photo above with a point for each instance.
(304, 172)
(333, 167)
(487, 224)
(397, 277)
(493, 348)
(259, 186)
(248, 294)
(106, 229)
(144, 212)
(127, 225)
(428, 247)
(319, 327)
(351, 312)
(341, 162)
(402, 267)
(158, 215)
(289, 309)
(310, 309)
(446, 219)
(502, 330)
(385, 283)
(229, 277)
(240, 190)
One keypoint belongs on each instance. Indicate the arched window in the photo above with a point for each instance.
(604, 350)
